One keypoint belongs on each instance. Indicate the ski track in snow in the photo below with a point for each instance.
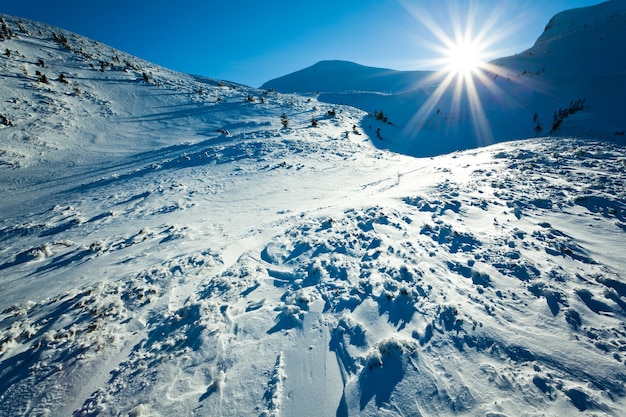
(299, 271)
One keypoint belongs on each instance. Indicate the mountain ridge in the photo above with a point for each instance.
(370, 79)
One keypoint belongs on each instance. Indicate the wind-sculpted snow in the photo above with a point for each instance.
(486, 289)
(268, 270)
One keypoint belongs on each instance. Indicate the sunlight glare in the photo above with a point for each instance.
(464, 58)
(465, 39)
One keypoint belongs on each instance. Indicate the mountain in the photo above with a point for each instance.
(344, 76)
(580, 58)
(177, 245)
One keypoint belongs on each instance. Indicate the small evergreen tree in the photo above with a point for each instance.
(562, 114)
(284, 121)
(313, 122)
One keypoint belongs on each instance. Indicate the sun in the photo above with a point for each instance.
(464, 39)
(464, 58)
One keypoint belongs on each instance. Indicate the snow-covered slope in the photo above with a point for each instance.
(99, 103)
(153, 266)
(581, 58)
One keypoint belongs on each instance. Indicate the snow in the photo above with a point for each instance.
(164, 253)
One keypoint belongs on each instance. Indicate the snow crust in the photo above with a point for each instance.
(168, 247)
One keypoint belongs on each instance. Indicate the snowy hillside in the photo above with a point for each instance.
(98, 103)
(581, 58)
(175, 245)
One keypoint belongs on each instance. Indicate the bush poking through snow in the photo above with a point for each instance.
(131, 65)
(41, 77)
(62, 40)
(284, 121)
(387, 349)
(379, 115)
(5, 30)
(22, 28)
(5, 121)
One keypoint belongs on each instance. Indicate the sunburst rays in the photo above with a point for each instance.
(465, 38)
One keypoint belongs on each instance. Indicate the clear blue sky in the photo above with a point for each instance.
(253, 41)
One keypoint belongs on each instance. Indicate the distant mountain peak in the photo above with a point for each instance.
(337, 75)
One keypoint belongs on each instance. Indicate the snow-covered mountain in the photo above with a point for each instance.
(348, 77)
(579, 59)
(176, 245)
